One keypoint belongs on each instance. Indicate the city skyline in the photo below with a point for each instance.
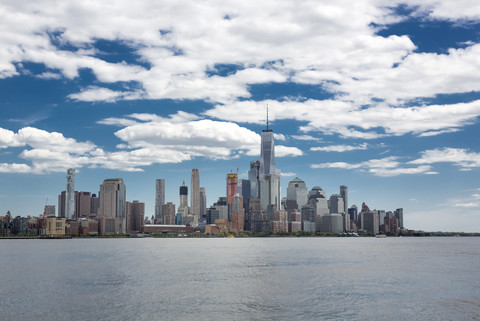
(382, 97)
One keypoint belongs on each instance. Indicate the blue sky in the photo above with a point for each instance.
(381, 96)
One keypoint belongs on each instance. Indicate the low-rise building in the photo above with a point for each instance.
(55, 226)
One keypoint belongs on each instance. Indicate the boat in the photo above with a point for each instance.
(380, 236)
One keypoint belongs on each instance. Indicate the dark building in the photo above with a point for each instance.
(353, 212)
(135, 216)
(94, 204)
(244, 189)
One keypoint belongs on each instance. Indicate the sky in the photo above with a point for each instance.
(381, 96)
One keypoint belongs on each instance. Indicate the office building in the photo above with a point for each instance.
(113, 194)
(70, 194)
(55, 226)
(344, 195)
(203, 202)
(232, 185)
(237, 216)
(245, 191)
(195, 194)
(49, 210)
(135, 216)
(336, 204)
(94, 205)
(254, 178)
(183, 196)
(331, 223)
(82, 204)
(62, 204)
(159, 198)
(399, 215)
(296, 194)
(353, 211)
(369, 221)
(168, 211)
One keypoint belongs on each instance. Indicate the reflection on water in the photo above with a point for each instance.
(241, 279)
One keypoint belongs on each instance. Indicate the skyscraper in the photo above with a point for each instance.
(336, 204)
(269, 176)
(232, 186)
(245, 191)
(49, 210)
(62, 203)
(70, 194)
(183, 196)
(237, 217)
(113, 194)
(344, 194)
(254, 178)
(82, 204)
(296, 191)
(195, 194)
(399, 215)
(159, 198)
(94, 204)
(203, 202)
(168, 213)
(135, 215)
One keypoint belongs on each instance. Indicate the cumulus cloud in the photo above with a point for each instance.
(340, 148)
(193, 136)
(14, 168)
(147, 139)
(461, 157)
(392, 166)
(175, 51)
(216, 51)
(306, 137)
(385, 167)
(351, 121)
(95, 93)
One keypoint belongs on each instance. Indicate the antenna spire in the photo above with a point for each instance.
(267, 117)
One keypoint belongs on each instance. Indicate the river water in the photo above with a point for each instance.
(304, 278)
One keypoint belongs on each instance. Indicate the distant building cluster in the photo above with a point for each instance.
(252, 204)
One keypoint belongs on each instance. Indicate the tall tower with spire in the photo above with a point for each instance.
(269, 175)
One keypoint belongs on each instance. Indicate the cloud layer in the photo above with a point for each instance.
(392, 165)
(147, 139)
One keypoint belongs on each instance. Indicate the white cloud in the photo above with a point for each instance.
(459, 156)
(340, 148)
(14, 168)
(289, 174)
(147, 139)
(95, 93)
(279, 136)
(49, 75)
(306, 137)
(350, 121)
(330, 45)
(391, 166)
(283, 151)
(467, 205)
(385, 167)
(275, 41)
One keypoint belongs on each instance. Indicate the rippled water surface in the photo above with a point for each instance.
(241, 279)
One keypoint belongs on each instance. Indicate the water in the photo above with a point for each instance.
(241, 279)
